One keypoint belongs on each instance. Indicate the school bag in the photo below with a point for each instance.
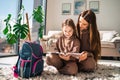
(30, 62)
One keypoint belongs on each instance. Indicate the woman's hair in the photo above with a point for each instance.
(95, 44)
(69, 22)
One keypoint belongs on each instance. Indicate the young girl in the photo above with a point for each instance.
(90, 41)
(67, 43)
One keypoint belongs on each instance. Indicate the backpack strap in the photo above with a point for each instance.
(23, 62)
(34, 66)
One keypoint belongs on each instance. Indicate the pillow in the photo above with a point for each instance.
(116, 34)
(115, 39)
(107, 36)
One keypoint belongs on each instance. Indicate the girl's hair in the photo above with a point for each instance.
(95, 44)
(69, 22)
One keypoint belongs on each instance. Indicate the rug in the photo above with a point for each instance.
(104, 72)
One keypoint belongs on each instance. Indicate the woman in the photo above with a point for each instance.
(90, 41)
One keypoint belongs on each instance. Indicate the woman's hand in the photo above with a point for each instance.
(64, 56)
(83, 56)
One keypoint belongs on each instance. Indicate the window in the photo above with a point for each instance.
(12, 8)
(6, 7)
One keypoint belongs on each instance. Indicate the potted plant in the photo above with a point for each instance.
(17, 31)
(20, 30)
(38, 15)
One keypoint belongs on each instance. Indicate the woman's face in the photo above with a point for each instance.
(67, 31)
(83, 24)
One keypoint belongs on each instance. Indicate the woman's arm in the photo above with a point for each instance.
(84, 55)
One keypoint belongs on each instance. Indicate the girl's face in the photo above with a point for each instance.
(67, 31)
(83, 24)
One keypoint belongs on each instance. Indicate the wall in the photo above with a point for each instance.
(108, 17)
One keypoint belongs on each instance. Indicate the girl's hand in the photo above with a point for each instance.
(83, 56)
(64, 56)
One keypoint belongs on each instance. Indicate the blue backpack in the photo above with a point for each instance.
(30, 62)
